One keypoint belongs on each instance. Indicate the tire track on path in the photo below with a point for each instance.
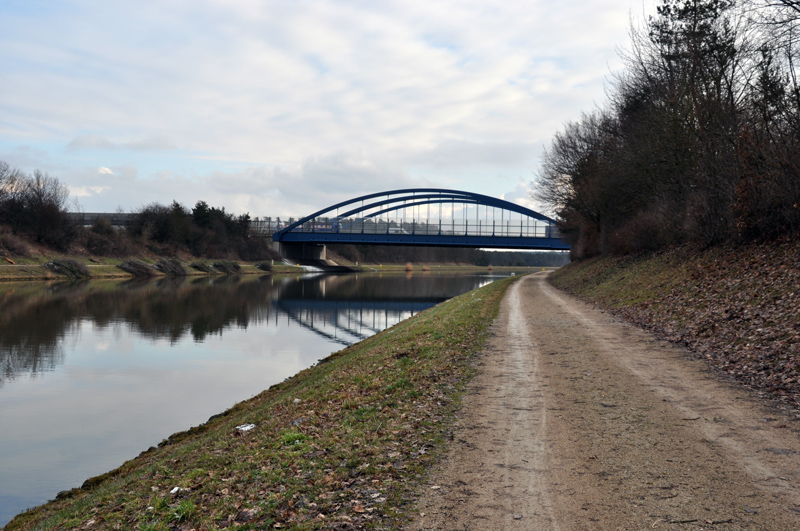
(579, 421)
(495, 479)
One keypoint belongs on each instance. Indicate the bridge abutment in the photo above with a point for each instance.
(301, 251)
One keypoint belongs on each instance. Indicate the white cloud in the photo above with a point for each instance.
(459, 154)
(251, 101)
(105, 171)
(99, 142)
(522, 195)
(87, 191)
(90, 142)
(312, 185)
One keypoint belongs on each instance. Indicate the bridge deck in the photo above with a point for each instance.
(486, 241)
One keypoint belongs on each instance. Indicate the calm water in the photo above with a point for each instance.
(93, 373)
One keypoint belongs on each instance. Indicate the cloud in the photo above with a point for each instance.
(156, 143)
(105, 171)
(99, 142)
(90, 142)
(28, 158)
(312, 185)
(458, 154)
(314, 98)
(87, 191)
(524, 193)
(521, 195)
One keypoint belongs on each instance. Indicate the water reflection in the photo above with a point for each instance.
(342, 309)
(346, 309)
(95, 372)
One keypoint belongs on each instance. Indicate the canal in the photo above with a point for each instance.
(92, 373)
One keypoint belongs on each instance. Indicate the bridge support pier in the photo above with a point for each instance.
(301, 251)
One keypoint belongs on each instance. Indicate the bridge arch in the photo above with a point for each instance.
(426, 216)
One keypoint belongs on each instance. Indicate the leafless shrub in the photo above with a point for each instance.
(103, 226)
(704, 119)
(200, 266)
(137, 268)
(14, 245)
(227, 267)
(68, 267)
(171, 268)
(35, 206)
(648, 231)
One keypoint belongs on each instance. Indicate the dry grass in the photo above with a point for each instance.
(738, 308)
(13, 246)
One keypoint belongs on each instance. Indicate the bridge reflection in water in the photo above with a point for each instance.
(324, 304)
(345, 322)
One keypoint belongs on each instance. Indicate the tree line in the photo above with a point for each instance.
(203, 231)
(699, 140)
(33, 207)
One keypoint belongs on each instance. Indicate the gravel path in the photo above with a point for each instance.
(579, 421)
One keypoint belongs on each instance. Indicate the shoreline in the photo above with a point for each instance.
(30, 270)
(347, 440)
(34, 270)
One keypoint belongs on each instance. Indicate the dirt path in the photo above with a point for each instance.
(579, 421)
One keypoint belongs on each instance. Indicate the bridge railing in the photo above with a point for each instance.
(525, 228)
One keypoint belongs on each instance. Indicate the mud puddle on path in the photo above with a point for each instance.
(579, 421)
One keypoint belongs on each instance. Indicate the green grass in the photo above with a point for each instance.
(347, 441)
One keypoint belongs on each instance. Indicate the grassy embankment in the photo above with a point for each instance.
(344, 443)
(739, 308)
(33, 268)
(107, 268)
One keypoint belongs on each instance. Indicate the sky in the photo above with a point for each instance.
(283, 107)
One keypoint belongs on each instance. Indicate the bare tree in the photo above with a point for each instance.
(678, 154)
(9, 181)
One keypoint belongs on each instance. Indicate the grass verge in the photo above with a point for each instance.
(106, 268)
(341, 445)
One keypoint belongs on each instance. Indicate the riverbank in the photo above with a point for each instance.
(108, 268)
(737, 308)
(35, 268)
(342, 444)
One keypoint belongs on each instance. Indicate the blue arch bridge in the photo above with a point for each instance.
(420, 216)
